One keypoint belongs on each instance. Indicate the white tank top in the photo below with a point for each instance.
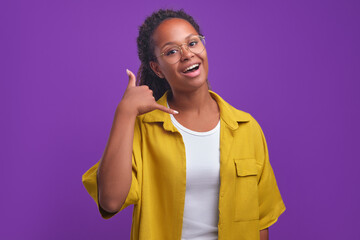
(201, 213)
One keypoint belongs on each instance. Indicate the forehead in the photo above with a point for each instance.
(172, 30)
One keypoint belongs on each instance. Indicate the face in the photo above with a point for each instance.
(177, 31)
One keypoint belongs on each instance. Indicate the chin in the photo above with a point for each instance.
(198, 84)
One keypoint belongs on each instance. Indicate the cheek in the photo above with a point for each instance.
(204, 57)
(165, 68)
(169, 71)
(170, 74)
(205, 61)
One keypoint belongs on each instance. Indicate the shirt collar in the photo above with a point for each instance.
(230, 115)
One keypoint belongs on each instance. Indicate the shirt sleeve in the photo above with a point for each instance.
(271, 205)
(89, 179)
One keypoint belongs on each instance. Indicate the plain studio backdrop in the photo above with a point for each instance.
(293, 65)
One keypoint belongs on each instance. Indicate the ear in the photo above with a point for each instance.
(156, 69)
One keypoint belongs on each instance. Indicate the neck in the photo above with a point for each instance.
(191, 102)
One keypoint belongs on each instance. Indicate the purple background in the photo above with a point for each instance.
(294, 65)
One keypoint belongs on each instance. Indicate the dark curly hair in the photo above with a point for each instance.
(145, 75)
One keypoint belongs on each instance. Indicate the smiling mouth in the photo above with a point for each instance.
(192, 68)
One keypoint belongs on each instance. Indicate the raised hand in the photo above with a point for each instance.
(140, 99)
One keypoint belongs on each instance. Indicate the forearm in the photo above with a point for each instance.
(264, 234)
(114, 173)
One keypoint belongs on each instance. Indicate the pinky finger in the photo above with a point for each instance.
(165, 109)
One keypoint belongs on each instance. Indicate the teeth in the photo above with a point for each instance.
(191, 67)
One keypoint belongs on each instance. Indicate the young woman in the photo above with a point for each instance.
(193, 166)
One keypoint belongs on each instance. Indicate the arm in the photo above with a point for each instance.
(114, 172)
(264, 234)
(115, 167)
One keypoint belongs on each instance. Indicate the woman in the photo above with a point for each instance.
(193, 166)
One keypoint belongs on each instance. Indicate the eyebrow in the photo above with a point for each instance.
(170, 43)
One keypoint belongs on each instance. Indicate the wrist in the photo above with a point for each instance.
(126, 109)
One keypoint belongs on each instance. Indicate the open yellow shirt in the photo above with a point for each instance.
(249, 198)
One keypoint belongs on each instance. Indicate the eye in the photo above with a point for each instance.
(193, 43)
(171, 51)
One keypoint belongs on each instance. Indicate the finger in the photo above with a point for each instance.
(165, 109)
(132, 79)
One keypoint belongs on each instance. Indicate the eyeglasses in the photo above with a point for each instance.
(172, 53)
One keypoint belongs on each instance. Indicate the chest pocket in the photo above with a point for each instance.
(246, 190)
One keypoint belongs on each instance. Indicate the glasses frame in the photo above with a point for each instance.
(202, 38)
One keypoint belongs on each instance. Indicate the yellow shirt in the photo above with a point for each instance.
(249, 198)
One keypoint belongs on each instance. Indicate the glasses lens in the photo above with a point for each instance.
(196, 45)
(172, 54)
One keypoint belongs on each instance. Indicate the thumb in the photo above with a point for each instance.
(132, 79)
(165, 109)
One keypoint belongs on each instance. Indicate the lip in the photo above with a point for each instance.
(190, 64)
(192, 74)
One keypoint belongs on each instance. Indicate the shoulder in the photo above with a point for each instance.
(230, 114)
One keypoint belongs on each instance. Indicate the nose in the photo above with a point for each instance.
(185, 52)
